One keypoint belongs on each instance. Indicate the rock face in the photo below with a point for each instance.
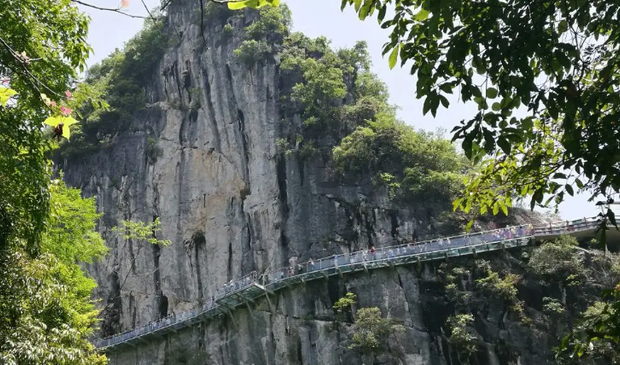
(202, 158)
(300, 328)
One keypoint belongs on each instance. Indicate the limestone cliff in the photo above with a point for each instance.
(298, 326)
(202, 156)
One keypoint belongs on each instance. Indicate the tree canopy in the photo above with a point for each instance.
(544, 75)
(46, 311)
(545, 78)
(45, 301)
(42, 44)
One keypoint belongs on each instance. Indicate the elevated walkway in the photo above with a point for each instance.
(247, 290)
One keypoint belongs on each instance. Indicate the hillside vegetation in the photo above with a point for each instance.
(336, 111)
(344, 108)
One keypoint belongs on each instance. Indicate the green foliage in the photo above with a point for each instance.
(372, 330)
(23, 177)
(251, 51)
(504, 288)
(597, 334)
(46, 313)
(460, 337)
(46, 301)
(488, 284)
(46, 319)
(344, 304)
(282, 145)
(42, 43)
(494, 54)
(71, 229)
(452, 277)
(558, 260)
(320, 95)
(153, 151)
(272, 25)
(415, 164)
(122, 76)
(228, 30)
(553, 306)
(322, 91)
(264, 34)
(141, 231)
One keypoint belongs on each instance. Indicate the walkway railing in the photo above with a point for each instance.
(348, 262)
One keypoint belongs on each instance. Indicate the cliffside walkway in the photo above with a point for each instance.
(246, 290)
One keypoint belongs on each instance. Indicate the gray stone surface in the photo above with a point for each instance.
(231, 204)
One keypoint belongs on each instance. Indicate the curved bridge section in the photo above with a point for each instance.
(249, 288)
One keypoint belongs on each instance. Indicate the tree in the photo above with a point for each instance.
(41, 46)
(463, 341)
(597, 334)
(418, 166)
(344, 305)
(372, 330)
(46, 313)
(46, 309)
(556, 261)
(544, 75)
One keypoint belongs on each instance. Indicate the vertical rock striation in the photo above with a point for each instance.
(202, 158)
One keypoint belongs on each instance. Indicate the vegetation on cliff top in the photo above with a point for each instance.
(346, 116)
(121, 78)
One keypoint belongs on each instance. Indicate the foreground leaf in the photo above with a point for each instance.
(5, 94)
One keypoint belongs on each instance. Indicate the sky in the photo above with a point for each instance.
(109, 31)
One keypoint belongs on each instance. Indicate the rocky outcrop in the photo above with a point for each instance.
(202, 158)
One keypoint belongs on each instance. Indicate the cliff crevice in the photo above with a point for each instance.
(232, 151)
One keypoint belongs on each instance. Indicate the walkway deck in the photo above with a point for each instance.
(249, 288)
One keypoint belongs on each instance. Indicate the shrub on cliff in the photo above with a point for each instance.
(372, 330)
(121, 78)
(345, 107)
(463, 342)
(264, 35)
(558, 260)
(417, 165)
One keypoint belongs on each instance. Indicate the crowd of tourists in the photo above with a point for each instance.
(353, 259)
